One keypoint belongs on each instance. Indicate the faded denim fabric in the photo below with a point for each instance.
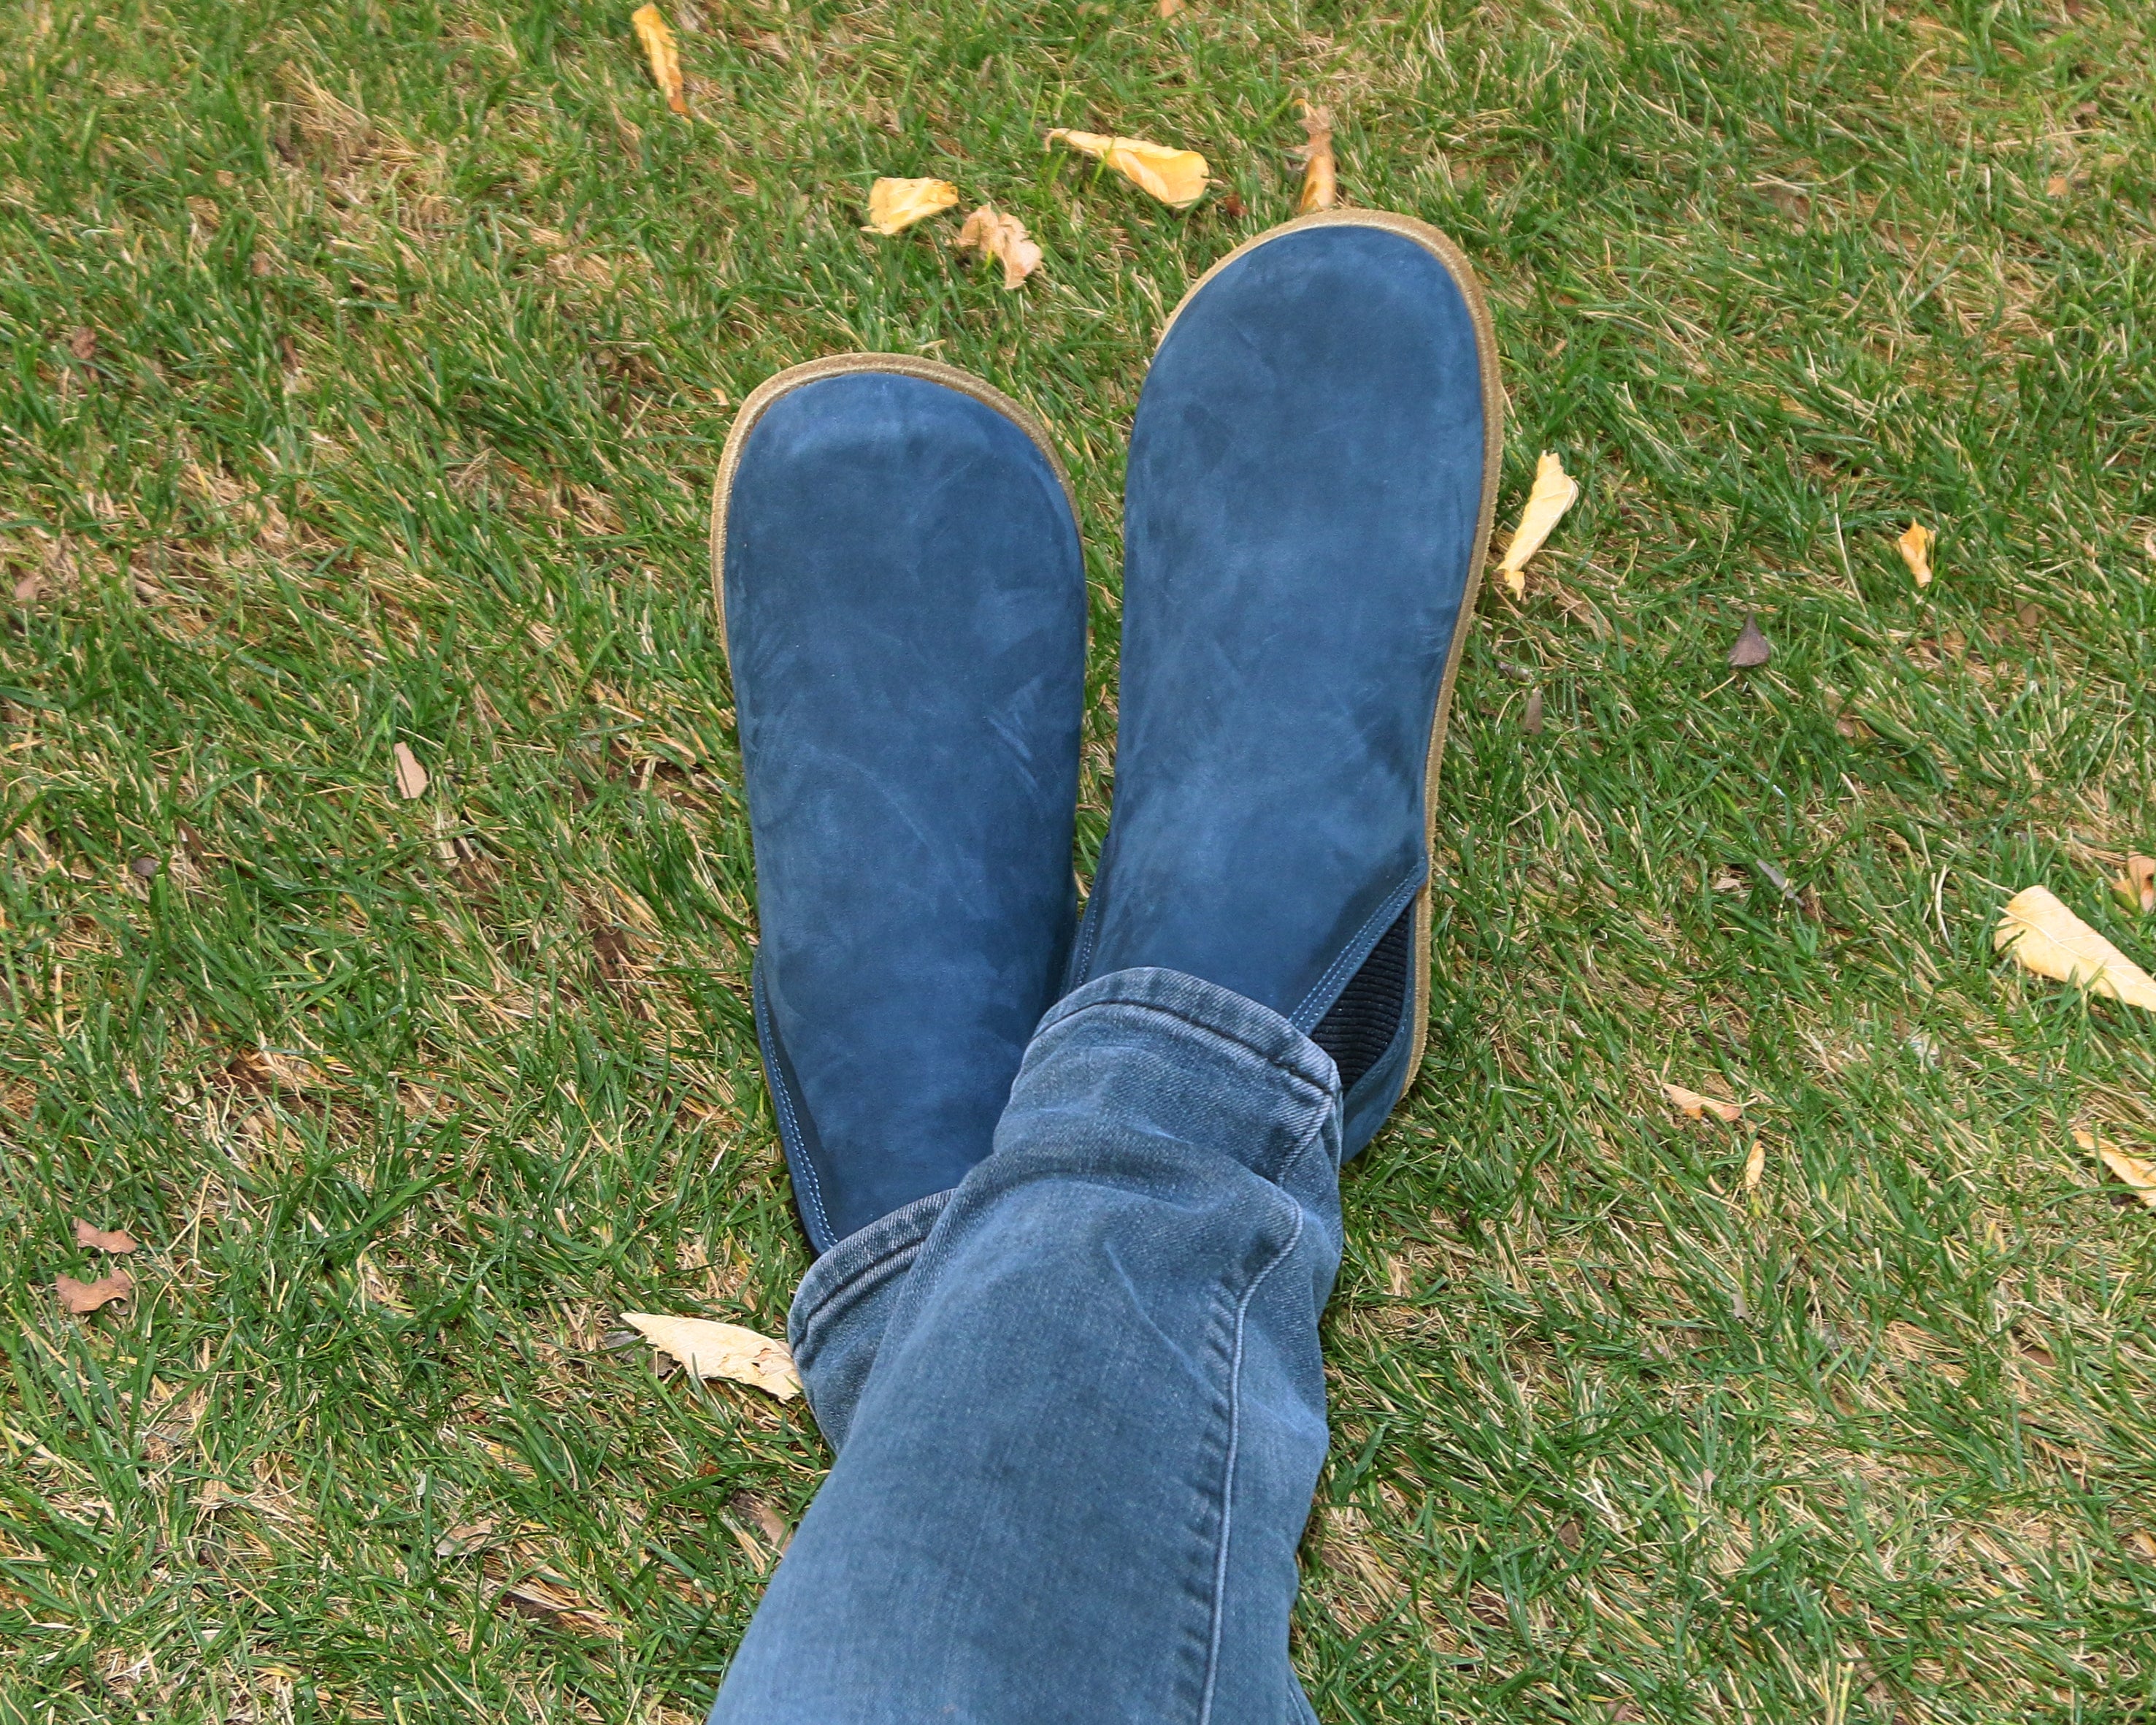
(1077, 1400)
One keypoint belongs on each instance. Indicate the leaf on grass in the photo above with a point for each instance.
(467, 1539)
(994, 234)
(1177, 178)
(544, 1602)
(83, 1297)
(709, 1349)
(895, 205)
(83, 344)
(410, 776)
(2042, 935)
(28, 588)
(1553, 493)
(104, 1239)
(1531, 721)
(1915, 549)
(1168, 8)
(1693, 1106)
(2137, 1172)
(2137, 883)
(1752, 649)
(1755, 1165)
(1320, 170)
(658, 40)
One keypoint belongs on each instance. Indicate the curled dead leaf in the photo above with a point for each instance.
(81, 1298)
(658, 40)
(547, 1602)
(1755, 1165)
(410, 776)
(104, 1239)
(1553, 492)
(1693, 1106)
(1177, 177)
(994, 234)
(709, 1349)
(1752, 648)
(2138, 1172)
(1531, 721)
(1915, 549)
(469, 1538)
(895, 205)
(2041, 935)
(1320, 170)
(2137, 883)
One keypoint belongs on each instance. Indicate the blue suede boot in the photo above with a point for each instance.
(898, 575)
(1308, 509)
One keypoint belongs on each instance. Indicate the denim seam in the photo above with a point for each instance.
(871, 1272)
(1351, 956)
(1228, 1482)
(1212, 1030)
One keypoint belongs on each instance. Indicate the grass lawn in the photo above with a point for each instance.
(365, 370)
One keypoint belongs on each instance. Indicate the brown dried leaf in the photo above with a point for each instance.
(1693, 1106)
(1320, 170)
(769, 1522)
(1752, 649)
(1177, 177)
(470, 1538)
(83, 344)
(895, 205)
(658, 40)
(2042, 935)
(546, 1603)
(104, 1239)
(28, 588)
(2137, 883)
(1553, 492)
(1531, 721)
(410, 776)
(1755, 1165)
(994, 234)
(1915, 549)
(2138, 1172)
(709, 1349)
(1168, 8)
(83, 1297)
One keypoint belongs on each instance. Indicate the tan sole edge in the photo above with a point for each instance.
(1440, 246)
(840, 365)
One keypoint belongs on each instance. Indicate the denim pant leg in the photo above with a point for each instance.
(1077, 1401)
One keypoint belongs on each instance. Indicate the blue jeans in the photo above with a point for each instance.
(1077, 1400)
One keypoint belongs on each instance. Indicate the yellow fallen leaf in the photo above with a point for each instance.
(2137, 1172)
(1755, 1165)
(658, 40)
(2137, 883)
(1916, 547)
(709, 1349)
(2042, 935)
(1693, 1106)
(994, 234)
(1320, 172)
(895, 205)
(1554, 491)
(410, 776)
(1177, 178)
